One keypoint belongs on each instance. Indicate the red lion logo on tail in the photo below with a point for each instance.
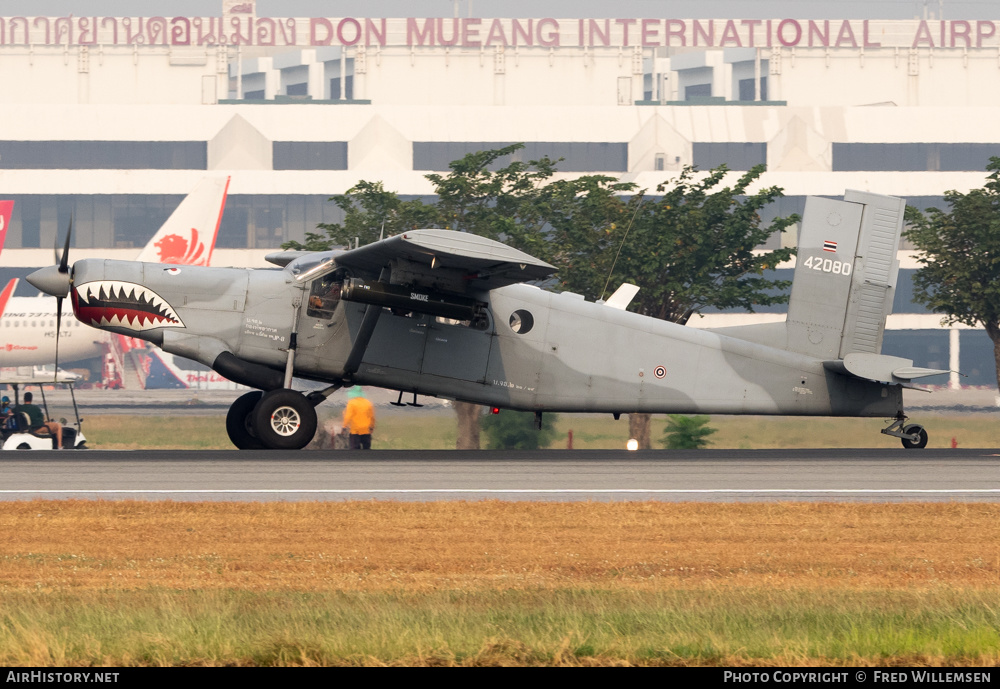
(175, 249)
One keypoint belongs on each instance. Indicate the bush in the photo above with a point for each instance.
(687, 432)
(515, 430)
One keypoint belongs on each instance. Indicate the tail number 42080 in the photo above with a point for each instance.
(826, 265)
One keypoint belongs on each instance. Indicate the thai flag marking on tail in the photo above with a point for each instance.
(830, 246)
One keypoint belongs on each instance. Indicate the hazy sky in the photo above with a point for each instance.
(807, 9)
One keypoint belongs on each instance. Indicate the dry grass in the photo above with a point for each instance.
(498, 583)
(379, 546)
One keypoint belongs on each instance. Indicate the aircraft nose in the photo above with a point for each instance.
(51, 281)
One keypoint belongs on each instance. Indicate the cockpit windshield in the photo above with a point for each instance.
(312, 265)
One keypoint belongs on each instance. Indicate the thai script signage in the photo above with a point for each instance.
(241, 27)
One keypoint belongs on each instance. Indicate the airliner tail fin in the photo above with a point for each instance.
(188, 236)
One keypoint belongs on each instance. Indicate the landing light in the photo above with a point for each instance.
(632, 445)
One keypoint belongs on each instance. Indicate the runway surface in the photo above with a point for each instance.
(875, 475)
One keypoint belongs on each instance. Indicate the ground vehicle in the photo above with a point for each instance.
(14, 430)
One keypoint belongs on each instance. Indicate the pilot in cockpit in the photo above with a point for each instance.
(324, 296)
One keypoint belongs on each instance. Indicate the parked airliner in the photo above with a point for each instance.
(28, 324)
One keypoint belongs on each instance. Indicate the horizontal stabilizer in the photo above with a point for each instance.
(880, 368)
(911, 372)
(623, 296)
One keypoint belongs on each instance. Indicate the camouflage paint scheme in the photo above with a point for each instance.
(518, 346)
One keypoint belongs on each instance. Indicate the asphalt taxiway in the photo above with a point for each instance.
(873, 475)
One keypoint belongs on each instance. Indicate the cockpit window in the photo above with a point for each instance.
(312, 265)
(324, 295)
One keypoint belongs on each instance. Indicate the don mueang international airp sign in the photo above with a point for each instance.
(241, 27)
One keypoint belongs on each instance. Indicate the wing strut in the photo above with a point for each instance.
(368, 323)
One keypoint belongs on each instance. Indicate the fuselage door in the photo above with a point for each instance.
(322, 316)
(458, 349)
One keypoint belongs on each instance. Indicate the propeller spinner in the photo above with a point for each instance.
(55, 280)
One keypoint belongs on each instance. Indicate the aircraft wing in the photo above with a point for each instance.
(443, 256)
(36, 374)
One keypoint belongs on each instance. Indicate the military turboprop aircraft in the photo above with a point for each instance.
(444, 313)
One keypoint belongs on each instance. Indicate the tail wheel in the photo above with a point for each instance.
(285, 420)
(921, 441)
(239, 422)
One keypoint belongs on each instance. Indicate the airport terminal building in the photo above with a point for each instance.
(111, 120)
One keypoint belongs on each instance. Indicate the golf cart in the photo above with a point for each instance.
(15, 433)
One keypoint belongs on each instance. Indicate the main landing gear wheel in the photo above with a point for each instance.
(921, 441)
(284, 420)
(239, 422)
(913, 436)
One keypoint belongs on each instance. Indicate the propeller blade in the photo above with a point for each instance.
(64, 261)
(57, 281)
(59, 302)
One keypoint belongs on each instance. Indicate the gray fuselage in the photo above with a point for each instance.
(567, 354)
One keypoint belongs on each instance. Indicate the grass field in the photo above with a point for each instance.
(497, 583)
(437, 431)
(488, 583)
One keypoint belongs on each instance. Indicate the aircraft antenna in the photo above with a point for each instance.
(615, 262)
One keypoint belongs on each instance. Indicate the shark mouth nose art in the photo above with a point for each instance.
(123, 304)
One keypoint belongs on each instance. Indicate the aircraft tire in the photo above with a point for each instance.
(239, 422)
(285, 420)
(920, 443)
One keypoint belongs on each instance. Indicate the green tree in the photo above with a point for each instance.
(694, 247)
(691, 247)
(687, 432)
(515, 430)
(482, 194)
(369, 212)
(960, 257)
(501, 203)
(687, 249)
(586, 220)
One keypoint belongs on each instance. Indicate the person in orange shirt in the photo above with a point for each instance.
(359, 419)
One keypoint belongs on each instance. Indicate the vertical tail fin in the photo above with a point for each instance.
(6, 294)
(845, 274)
(6, 211)
(188, 236)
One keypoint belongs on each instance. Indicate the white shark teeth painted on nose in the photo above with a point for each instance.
(114, 303)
